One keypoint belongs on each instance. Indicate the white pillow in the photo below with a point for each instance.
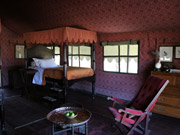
(45, 63)
(36, 61)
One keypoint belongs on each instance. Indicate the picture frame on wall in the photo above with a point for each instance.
(19, 51)
(166, 53)
(177, 52)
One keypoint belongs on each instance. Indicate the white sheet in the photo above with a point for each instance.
(37, 79)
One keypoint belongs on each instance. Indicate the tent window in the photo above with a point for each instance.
(121, 58)
(79, 56)
(57, 53)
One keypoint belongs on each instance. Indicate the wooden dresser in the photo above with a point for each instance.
(169, 100)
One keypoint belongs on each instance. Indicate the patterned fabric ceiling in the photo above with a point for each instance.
(112, 16)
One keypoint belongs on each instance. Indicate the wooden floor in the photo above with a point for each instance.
(159, 124)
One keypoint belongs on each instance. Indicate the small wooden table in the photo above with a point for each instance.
(63, 124)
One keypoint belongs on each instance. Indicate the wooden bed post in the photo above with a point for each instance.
(25, 55)
(65, 83)
(53, 50)
(93, 66)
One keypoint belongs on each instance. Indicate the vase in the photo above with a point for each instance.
(158, 65)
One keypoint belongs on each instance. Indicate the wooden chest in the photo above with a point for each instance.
(169, 101)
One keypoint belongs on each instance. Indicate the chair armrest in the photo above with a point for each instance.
(131, 111)
(116, 100)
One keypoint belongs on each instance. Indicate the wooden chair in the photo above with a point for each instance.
(132, 114)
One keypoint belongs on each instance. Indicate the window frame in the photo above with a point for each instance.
(120, 56)
(53, 49)
(79, 53)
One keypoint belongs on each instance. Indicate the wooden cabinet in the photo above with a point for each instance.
(15, 80)
(169, 101)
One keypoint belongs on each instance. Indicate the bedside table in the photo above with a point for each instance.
(27, 76)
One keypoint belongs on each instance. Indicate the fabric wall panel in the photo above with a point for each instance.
(125, 86)
(8, 52)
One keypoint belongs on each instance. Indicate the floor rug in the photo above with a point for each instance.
(16, 114)
(97, 125)
(100, 125)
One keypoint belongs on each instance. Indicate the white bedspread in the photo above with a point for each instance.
(37, 79)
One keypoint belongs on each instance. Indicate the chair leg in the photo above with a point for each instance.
(141, 127)
(134, 127)
(130, 132)
(146, 131)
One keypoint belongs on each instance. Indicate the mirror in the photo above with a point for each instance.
(19, 51)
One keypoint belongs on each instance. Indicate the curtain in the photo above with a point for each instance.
(120, 43)
(61, 35)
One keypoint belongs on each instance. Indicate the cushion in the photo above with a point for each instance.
(131, 115)
(33, 64)
(45, 63)
(118, 116)
(150, 88)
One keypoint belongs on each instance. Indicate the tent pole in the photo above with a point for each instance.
(53, 50)
(25, 55)
(93, 66)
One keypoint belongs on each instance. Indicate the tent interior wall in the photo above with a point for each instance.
(151, 20)
(154, 24)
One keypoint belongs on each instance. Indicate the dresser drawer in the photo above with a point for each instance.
(178, 81)
(169, 100)
(172, 91)
(171, 79)
(166, 110)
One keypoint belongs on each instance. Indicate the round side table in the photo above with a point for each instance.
(63, 124)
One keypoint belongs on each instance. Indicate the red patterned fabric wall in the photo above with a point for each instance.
(122, 85)
(8, 52)
(104, 15)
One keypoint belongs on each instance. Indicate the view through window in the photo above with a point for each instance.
(121, 58)
(79, 55)
(57, 53)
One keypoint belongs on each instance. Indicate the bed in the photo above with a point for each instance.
(65, 75)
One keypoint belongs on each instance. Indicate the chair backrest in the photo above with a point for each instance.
(149, 93)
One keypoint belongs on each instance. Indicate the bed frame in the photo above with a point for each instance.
(41, 51)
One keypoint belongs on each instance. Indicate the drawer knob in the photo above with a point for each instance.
(160, 99)
(159, 108)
